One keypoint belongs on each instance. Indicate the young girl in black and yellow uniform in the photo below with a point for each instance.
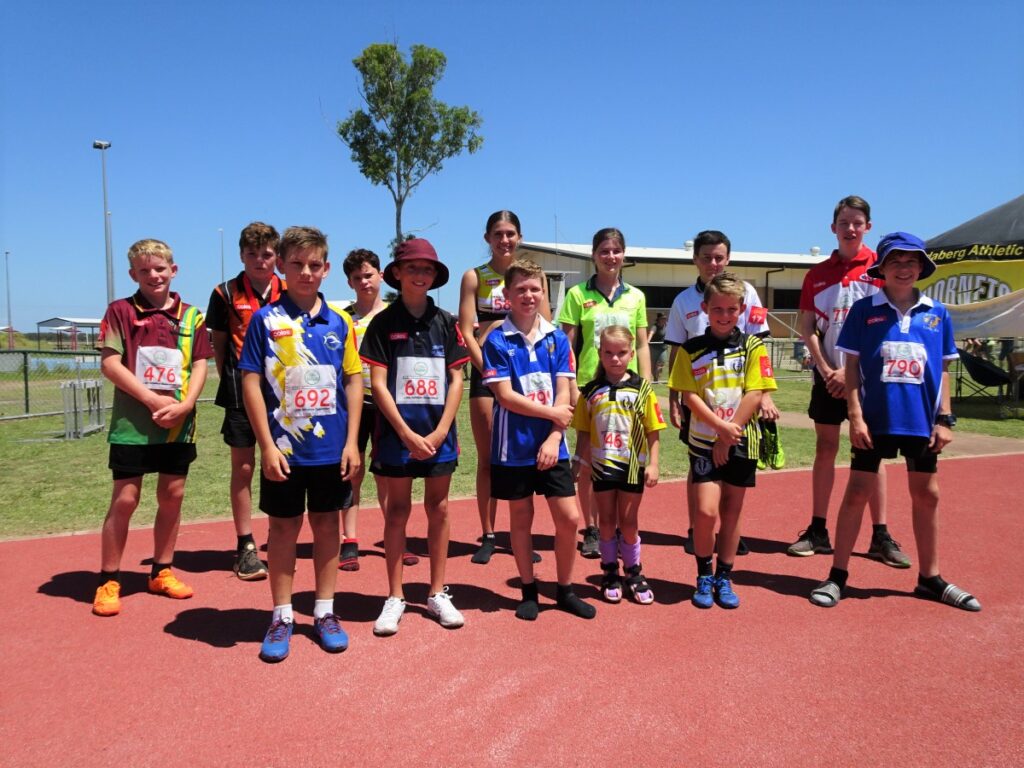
(482, 308)
(618, 421)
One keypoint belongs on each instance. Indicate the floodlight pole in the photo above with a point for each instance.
(7, 281)
(103, 146)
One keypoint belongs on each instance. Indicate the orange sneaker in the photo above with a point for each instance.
(166, 583)
(108, 599)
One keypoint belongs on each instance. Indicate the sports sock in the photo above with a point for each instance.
(936, 583)
(322, 607)
(246, 539)
(528, 608)
(609, 551)
(703, 565)
(483, 555)
(106, 576)
(880, 528)
(283, 613)
(157, 567)
(839, 577)
(817, 525)
(570, 603)
(630, 552)
(723, 570)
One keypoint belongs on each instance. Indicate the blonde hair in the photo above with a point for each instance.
(150, 247)
(612, 333)
(726, 284)
(523, 269)
(303, 237)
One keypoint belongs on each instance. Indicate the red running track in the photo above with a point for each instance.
(882, 678)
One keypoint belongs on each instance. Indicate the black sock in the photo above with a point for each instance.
(157, 567)
(528, 608)
(106, 576)
(569, 602)
(880, 528)
(689, 533)
(839, 577)
(483, 555)
(723, 569)
(246, 539)
(935, 584)
(703, 565)
(817, 525)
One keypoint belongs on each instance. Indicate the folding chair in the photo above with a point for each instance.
(981, 374)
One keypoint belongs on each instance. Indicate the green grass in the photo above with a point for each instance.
(57, 486)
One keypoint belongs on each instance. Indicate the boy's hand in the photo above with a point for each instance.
(547, 456)
(729, 432)
(275, 465)
(941, 437)
(351, 462)
(436, 439)
(675, 411)
(835, 383)
(860, 435)
(651, 475)
(769, 412)
(720, 453)
(420, 449)
(159, 402)
(561, 415)
(171, 415)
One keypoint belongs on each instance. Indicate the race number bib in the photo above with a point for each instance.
(903, 362)
(615, 436)
(420, 381)
(159, 367)
(537, 387)
(498, 301)
(724, 402)
(311, 390)
(606, 320)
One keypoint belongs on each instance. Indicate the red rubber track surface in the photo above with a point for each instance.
(882, 678)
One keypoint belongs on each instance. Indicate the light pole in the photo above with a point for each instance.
(221, 230)
(7, 280)
(103, 146)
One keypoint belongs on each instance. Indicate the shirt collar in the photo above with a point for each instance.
(864, 255)
(143, 307)
(923, 300)
(592, 286)
(428, 314)
(509, 328)
(733, 339)
(293, 309)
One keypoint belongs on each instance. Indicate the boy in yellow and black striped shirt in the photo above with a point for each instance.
(722, 375)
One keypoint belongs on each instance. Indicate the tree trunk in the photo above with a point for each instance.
(398, 223)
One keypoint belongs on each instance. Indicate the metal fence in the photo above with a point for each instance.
(30, 381)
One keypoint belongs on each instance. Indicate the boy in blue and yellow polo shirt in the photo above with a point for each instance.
(304, 394)
(721, 375)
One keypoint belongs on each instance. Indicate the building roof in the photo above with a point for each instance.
(641, 255)
(66, 322)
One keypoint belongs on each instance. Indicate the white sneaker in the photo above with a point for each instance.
(387, 622)
(440, 605)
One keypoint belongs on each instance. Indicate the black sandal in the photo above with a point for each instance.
(638, 586)
(611, 582)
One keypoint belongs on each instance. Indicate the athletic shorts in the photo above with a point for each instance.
(737, 471)
(415, 469)
(317, 488)
(477, 388)
(511, 483)
(164, 458)
(367, 423)
(237, 430)
(825, 409)
(915, 451)
(620, 485)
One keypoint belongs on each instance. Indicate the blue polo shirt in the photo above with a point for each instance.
(901, 361)
(302, 360)
(532, 369)
(417, 352)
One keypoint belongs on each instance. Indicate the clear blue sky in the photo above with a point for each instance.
(661, 118)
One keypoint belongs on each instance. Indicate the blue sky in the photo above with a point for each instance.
(660, 118)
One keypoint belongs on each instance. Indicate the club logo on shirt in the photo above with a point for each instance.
(692, 314)
(494, 282)
(766, 368)
(930, 321)
(400, 336)
(875, 319)
(331, 341)
(757, 315)
(280, 333)
(588, 304)
(437, 350)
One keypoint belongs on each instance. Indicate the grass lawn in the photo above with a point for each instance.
(57, 486)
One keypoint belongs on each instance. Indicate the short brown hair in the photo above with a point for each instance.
(258, 235)
(855, 202)
(150, 247)
(523, 269)
(302, 237)
(726, 284)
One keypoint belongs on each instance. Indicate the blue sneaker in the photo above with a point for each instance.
(330, 634)
(703, 597)
(275, 643)
(724, 595)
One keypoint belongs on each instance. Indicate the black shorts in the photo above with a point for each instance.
(476, 386)
(737, 471)
(915, 452)
(620, 485)
(316, 488)
(825, 409)
(237, 430)
(367, 424)
(511, 483)
(415, 469)
(164, 458)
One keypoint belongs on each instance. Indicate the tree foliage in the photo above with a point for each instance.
(405, 134)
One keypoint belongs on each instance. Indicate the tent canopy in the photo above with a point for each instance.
(1003, 225)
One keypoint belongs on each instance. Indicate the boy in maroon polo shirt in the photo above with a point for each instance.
(154, 350)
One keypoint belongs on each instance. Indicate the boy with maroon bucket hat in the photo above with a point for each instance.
(415, 352)
(898, 345)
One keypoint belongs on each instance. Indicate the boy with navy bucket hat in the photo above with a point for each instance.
(898, 346)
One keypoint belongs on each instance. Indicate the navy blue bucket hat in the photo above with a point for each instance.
(901, 241)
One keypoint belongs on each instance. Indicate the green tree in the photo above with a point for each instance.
(405, 134)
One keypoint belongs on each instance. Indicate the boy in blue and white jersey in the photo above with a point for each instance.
(898, 346)
(529, 366)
